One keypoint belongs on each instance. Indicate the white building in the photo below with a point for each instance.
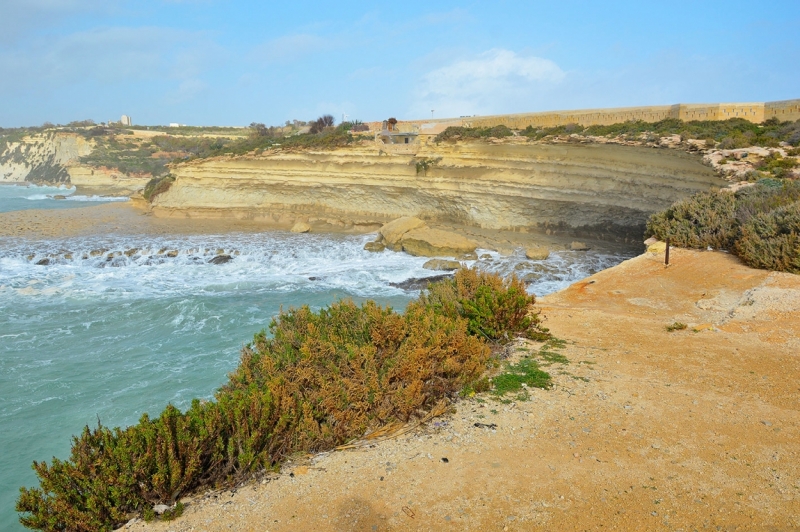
(126, 120)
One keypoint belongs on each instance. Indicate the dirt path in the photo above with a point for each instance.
(645, 429)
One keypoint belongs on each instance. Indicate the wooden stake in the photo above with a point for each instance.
(666, 256)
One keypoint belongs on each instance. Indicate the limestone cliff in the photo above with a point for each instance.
(42, 158)
(521, 186)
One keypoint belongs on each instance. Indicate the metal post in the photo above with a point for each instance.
(666, 256)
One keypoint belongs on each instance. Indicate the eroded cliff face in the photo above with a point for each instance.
(599, 190)
(43, 158)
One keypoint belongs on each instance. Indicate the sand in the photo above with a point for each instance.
(644, 430)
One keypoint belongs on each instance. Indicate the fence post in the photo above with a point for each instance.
(666, 256)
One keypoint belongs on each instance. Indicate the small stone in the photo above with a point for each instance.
(59, 197)
(172, 254)
(160, 508)
(301, 227)
(763, 421)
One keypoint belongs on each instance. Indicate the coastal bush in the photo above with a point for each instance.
(156, 186)
(317, 380)
(760, 223)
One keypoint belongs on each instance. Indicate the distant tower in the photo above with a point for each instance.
(125, 120)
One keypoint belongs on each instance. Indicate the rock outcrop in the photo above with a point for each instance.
(521, 186)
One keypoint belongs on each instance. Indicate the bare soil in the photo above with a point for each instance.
(645, 429)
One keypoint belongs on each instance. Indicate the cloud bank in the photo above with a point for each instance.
(496, 81)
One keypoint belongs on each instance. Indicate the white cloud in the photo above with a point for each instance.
(495, 81)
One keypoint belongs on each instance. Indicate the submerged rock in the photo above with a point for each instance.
(419, 283)
(220, 259)
(43, 262)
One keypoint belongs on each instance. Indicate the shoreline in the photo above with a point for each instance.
(126, 218)
(645, 429)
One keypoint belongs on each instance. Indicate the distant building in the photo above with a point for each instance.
(126, 120)
(175, 124)
(391, 133)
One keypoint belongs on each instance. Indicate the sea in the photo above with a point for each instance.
(105, 328)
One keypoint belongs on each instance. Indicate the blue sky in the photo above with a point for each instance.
(217, 62)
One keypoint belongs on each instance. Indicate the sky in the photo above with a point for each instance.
(229, 62)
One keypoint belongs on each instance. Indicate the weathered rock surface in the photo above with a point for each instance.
(301, 227)
(537, 253)
(427, 242)
(442, 265)
(578, 246)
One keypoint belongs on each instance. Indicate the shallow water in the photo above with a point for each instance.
(24, 197)
(110, 327)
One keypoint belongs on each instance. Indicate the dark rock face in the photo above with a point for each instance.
(220, 259)
(419, 283)
(43, 262)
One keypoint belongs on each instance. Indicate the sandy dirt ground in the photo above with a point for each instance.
(645, 429)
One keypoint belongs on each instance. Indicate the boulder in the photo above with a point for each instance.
(442, 265)
(537, 253)
(59, 197)
(578, 246)
(394, 230)
(375, 246)
(657, 247)
(469, 256)
(427, 242)
(301, 227)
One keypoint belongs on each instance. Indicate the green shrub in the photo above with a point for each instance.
(761, 223)
(705, 219)
(318, 380)
(156, 186)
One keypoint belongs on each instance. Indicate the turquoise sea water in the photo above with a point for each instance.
(93, 332)
(23, 197)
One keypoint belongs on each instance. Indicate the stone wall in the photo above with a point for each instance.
(755, 112)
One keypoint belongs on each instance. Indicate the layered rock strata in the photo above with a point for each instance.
(599, 190)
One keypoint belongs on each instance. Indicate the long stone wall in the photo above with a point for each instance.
(755, 112)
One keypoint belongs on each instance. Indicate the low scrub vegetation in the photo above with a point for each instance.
(726, 134)
(760, 224)
(453, 133)
(317, 380)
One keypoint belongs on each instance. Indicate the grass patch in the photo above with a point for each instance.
(514, 376)
(454, 133)
(314, 381)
